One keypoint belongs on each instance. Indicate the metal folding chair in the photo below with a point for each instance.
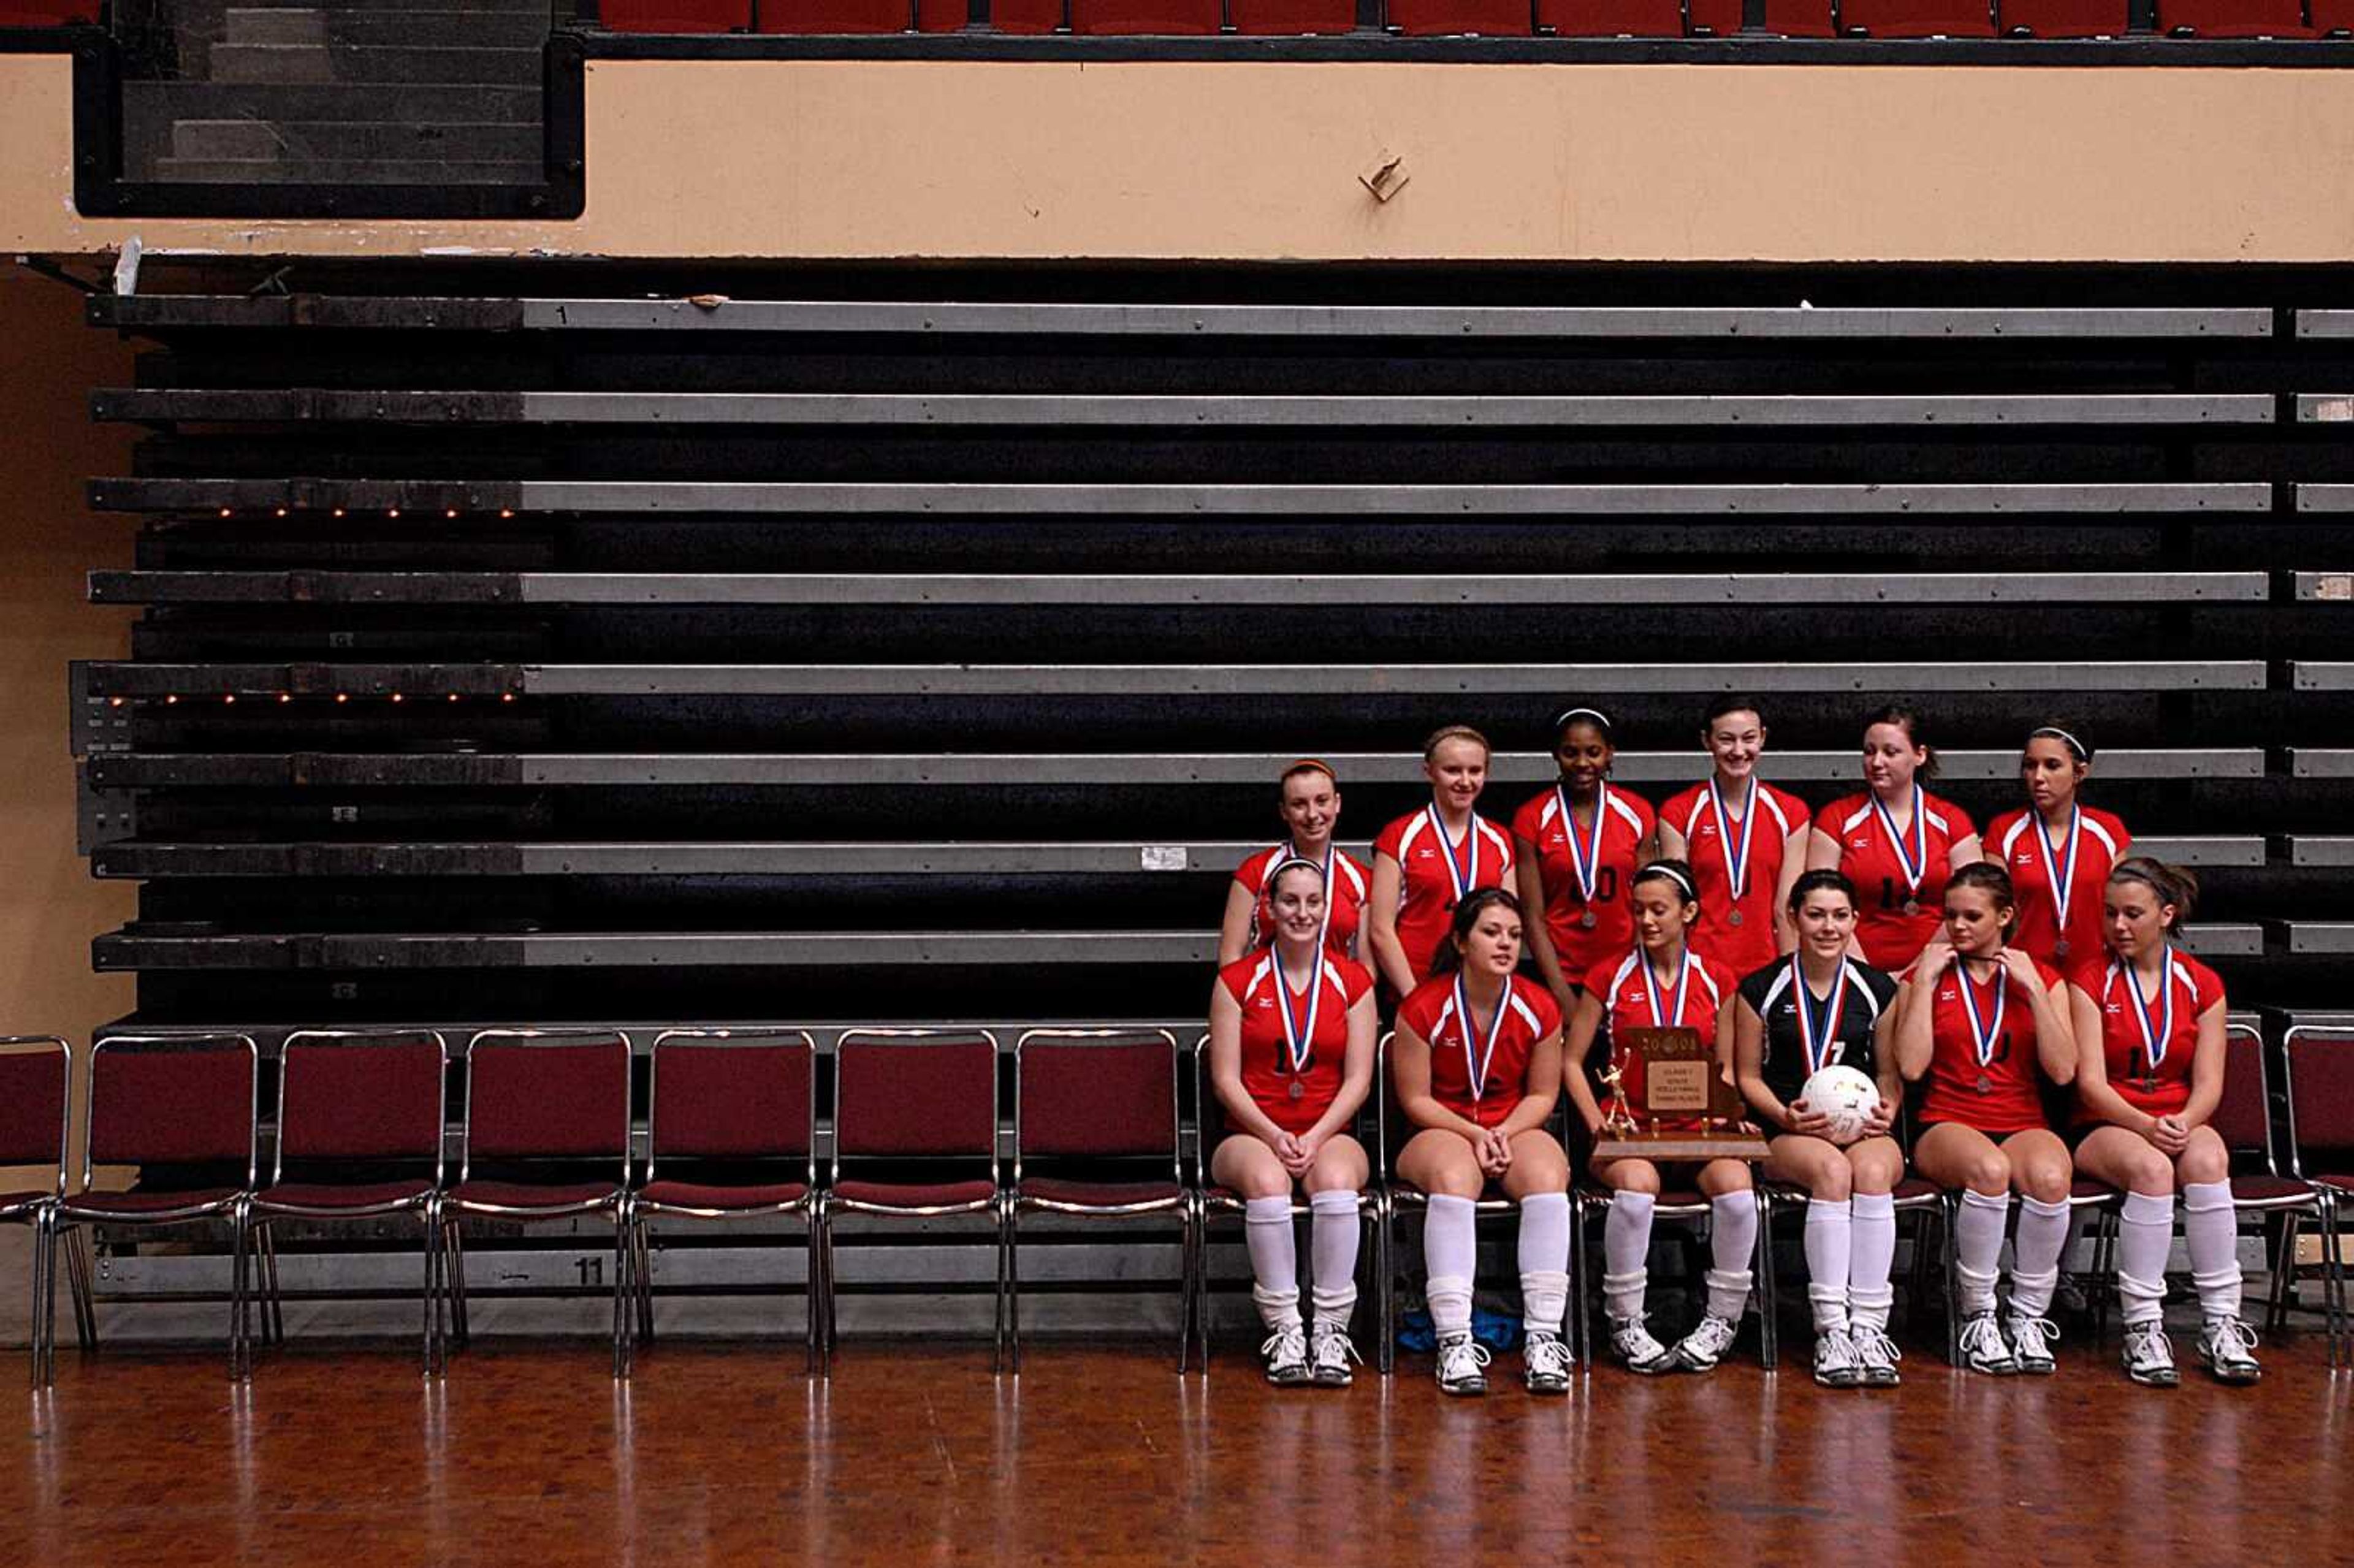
(35, 1070)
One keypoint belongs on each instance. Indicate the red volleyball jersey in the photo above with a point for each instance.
(1526, 1015)
(1625, 987)
(2101, 841)
(2005, 1092)
(1889, 938)
(1256, 982)
(1427, 891)
(2153, 1074)
(1748, 945)
(1544, 822)
(1344, 896)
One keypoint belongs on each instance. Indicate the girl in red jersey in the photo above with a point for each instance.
(1896, 841)
(1576, 845)
(1426, 863)
(2058, 851)
(1291, 1057)
(1476, 1062)
(1987, 1026)
(1310, 801)
(1659, 983)
(2150, 1054)
(1745, 838)
(1822, 1007)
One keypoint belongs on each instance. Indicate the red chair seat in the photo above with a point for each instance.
(2342, 1181)
(834, 17)
(56, 13)
(917, 1194)
(2067, 19)
(1490, 1195)
(1614, 18)
(674, 15)
(2086, 1191)
(2262, 1189)
(2234, 18)
(1098, 1194)
(1289, 18)
(1488, 18)
(706, 1195)
(1918, 18)
(549, 1195)
(1168, 17)
(342, 1195)
(151, 1205)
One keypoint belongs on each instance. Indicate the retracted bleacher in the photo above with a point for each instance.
(512, 657)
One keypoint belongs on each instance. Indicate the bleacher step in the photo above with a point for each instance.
(296, 102)
(339, 141)
(424, 27)
(290, 63)
(350, 171)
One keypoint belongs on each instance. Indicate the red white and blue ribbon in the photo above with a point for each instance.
(1585, 859)
(1476, 1055)
(1683, 991)
(2061, 877)
(1818, 1035)
(1983, 1034)
(1463, 876)
(1736, 855)
(2154, 1043)
(1299, 1036)
(1916, 862)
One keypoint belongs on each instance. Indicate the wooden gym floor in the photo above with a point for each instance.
(528, 1453)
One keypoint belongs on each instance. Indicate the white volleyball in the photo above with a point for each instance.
(1844, 1094)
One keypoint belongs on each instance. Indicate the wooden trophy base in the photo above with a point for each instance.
(1693, 1145)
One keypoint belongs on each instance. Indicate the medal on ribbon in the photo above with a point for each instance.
(2062, 876)
(1585, 859)
(1683, 990)
(1915, 862)
(1817, 1036)
(1986, 1031)
(1476, 1055)
(1299, 1034)
(1463, 871)
(2154, 1043)
(1736, 855)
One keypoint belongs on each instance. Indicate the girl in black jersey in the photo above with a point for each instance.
(1821, 1007)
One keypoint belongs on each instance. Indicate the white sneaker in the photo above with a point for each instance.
(1984, 1350)
(1706, 1344)
(1330, 1353)
(2031, 1343)
(2148, 1356)
(1545, 1360)
(1462, 1363)
(1837, 1365)
(2227, 1346)
(1633, 1344)
(1878, 1355)
(1286, 1350)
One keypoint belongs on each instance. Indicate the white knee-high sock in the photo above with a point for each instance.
(1544, 1261)
(1732, 1243)
(1829, 1244)
(1450, 1251)
(2035, 1255)
(1332, 1251)
(1626, 1253)
(2145, 1233)
(2211, 1228)
(1977, 1248)
(1274, 1260)
(1868, 1295)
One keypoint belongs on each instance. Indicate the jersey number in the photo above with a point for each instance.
(1605, 884)
(1890, 896)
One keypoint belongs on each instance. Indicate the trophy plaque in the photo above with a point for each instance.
(1686, 1111)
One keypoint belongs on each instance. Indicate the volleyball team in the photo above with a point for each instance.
(2025, 981)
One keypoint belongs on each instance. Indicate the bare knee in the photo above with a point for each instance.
(1456, 1179)
(1720, 1177)
(2046, 1181)
(2150, 1174)
(1632, 1176)
(1336, 1171)
(2205, 1161)
(1989, 1174)
(1833, 1182)
(1874, 1173)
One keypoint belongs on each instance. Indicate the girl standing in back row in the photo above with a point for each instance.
(1308, 797)
(1897, 843)
(1744, 839)
(2058, 851)
(1426, 863)
(1577, 845)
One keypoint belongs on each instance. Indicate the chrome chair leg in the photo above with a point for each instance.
(642, 1271)
(241, 1364)
(454, 1240)
(1012, 1222)
(430, 1217)
(82, 1277)
(1768, 1340)
(1188, 1261)
(44, 1299)
(622, 1306)
(811, 1290)
(271, 1313)
(1953, 1204)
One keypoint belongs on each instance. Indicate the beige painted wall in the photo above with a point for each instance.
(837, 159)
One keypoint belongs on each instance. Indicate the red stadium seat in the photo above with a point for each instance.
(1713, 18)
(2331, 17)
(181, 1108)
(729, 1127)
(1917, 19)
(1025, 16)
(675, 16)
(2065, 18)
(2233, 18)
(1488, 19)
(915, 1117)
(34, 1070)
(544, 1111)
(2319, 1062)
(1168, 17)
(1096, 1137)
(834, 17)
(1799, 19)
(53, 14)
(360, 1116)
(1616, 18)
(1289, 18)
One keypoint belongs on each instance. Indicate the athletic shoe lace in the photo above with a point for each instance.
(2148, 1346)
(1460, 1358)
(1286, 1347)
(1834, 1350)
(1874, 1348)
(2230, 1339)
(1713, 1337)
(1982, 1341)
(2032, 1337)
(1332, 1349)
(1547, 1356)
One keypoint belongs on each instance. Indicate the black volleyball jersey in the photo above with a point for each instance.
(1771, 994)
